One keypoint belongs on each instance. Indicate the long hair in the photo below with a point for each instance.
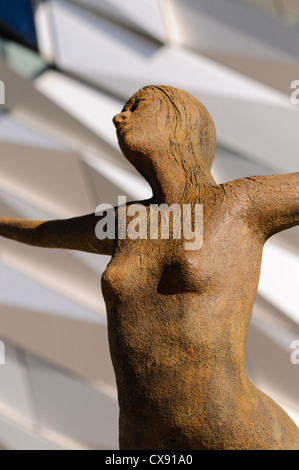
(192, 132)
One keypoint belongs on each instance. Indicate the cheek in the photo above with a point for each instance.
(147, 141)
(138, 137)
(146, 133)
(133, 136)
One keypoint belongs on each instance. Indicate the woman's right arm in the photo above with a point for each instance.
(71, 234)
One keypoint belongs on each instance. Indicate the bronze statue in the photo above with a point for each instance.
(178, 319)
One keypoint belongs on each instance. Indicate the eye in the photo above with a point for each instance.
(136, 104)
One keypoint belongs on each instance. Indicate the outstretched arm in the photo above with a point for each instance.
(274, 201)
(71, 234)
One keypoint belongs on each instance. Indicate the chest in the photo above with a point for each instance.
(147, 267)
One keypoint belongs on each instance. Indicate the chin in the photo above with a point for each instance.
(130, 147)
(125, 139)
(127, 151)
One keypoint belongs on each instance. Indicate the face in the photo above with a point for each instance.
(140, 125)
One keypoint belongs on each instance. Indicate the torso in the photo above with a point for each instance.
(177, 324)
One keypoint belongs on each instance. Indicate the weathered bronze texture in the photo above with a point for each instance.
(178, 319)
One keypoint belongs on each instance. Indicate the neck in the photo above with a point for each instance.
(171, 186)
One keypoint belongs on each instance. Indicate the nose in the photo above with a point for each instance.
(119, 118)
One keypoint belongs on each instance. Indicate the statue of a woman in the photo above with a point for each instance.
(178, 319)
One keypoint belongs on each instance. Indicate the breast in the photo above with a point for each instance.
(184, 274)
(125, 277)
(114, 280)
(129, 276)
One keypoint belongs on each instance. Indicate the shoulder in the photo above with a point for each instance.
(247, 190)
(239, 193)
(269, 203)
(244, 198)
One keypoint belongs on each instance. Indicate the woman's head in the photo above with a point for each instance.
(164, 118)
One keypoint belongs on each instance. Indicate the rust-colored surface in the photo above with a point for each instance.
(178, 319)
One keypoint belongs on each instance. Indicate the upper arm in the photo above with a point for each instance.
(78, 233)
(274, 202)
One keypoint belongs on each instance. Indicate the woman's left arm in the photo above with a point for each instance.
(274, 201)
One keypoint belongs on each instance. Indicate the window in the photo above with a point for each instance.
(17, 22)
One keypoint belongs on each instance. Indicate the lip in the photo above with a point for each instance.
(120, 125)
(117, 121)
